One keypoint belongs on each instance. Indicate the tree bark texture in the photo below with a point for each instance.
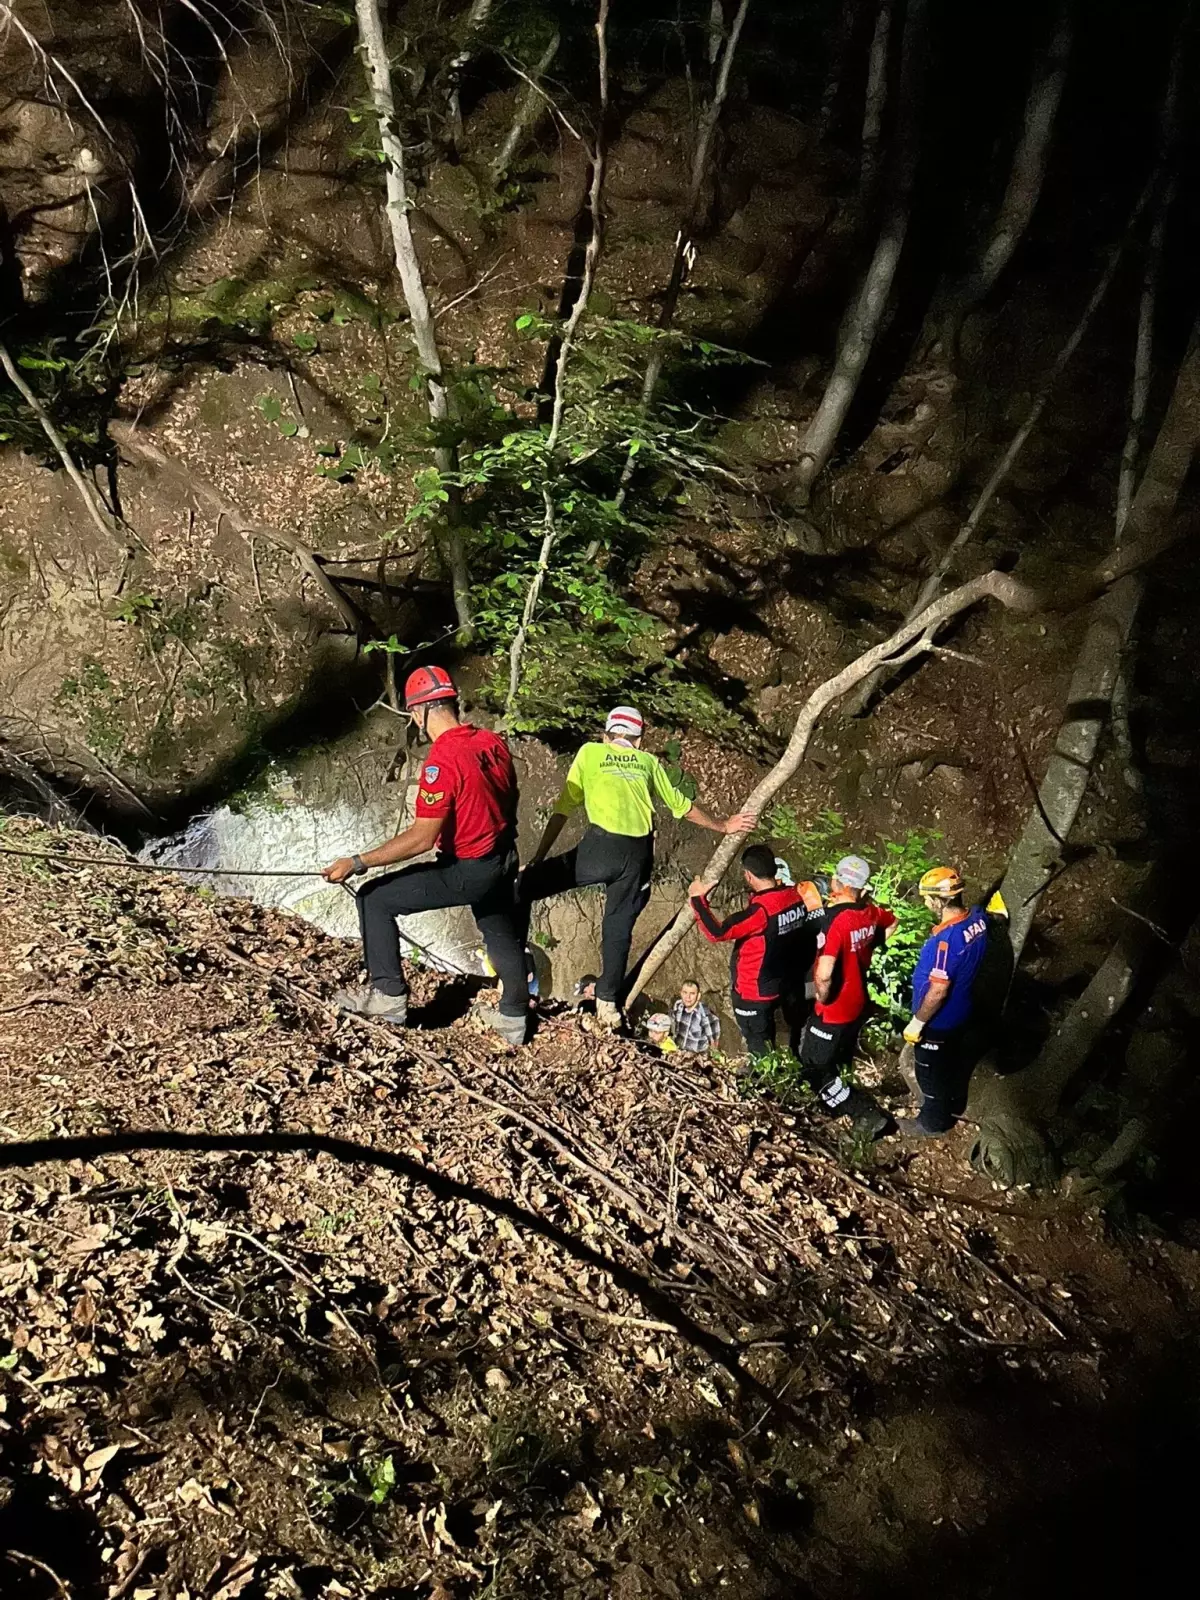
(876, 98)
(932, 584)
(1038, 850)
(532, 104)
(1028, 169)
(866, 315)
(683, 240)
(412, 282)
(591, 261)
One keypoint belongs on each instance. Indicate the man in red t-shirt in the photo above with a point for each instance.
(852, 930)
(467, 807)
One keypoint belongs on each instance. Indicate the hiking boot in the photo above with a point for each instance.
(914, 1128)
(365, 1000)
(870, 1120)
(608, 1016)
(511, 1029)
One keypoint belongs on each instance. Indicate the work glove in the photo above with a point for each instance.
(914, 1030)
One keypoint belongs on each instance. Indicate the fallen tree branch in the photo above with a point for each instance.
(86, 493)
(205, 494)
(910, 640)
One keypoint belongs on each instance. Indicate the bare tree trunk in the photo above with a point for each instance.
(876, 98)
(863, 322)
(412, 282)
(684, 249)
(1138, 399)
(932, 585)
(716, 30)
(531, 107)
(476, 18)
(1037, 854)
(839, 57)
(910, 640)
(1025, 179)
(591, 261)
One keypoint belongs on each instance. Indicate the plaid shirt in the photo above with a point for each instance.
(696, 1029)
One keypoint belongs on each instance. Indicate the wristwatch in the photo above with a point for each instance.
(359, 864)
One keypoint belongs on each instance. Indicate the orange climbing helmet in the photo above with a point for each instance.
(428, 684)
(945, 882)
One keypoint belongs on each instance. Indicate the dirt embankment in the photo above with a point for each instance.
(292, 1307)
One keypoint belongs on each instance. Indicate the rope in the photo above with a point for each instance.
(133, 865)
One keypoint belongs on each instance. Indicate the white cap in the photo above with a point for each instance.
(625, 721)
(853, 871)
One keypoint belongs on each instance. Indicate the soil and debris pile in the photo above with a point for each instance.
(303, 1307)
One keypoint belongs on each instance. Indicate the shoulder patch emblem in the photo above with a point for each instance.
(432, 799)
(431, 773)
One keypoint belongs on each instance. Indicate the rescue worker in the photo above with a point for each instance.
(467, 808)
(943, 1004)
(768, 940)
(617, 783)
(799, 994)
(852, 929)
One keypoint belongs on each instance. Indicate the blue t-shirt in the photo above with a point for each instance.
(952, 953)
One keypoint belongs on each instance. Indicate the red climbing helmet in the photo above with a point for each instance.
(428, 684)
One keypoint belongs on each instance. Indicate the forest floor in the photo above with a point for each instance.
(294, 1306)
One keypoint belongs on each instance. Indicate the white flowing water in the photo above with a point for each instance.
(273, 834)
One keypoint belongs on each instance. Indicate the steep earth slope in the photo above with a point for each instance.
(293, 1307)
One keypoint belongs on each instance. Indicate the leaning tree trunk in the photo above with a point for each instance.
(1025, 179)
(532, 104)
(1037, 855)
(1012, 1111)
(910, 640)
(876, 100)
(932, 585)
(866, 315)
(412, 282)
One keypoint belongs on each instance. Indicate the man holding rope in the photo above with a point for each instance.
(467, 808)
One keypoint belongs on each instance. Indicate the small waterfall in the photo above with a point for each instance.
(274, 832)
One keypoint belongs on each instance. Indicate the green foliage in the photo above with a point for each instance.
(132, 608)
(811, 841)
(777, 1075)
(673, 767)
(370, 1479)
(570, 674)
(71, 382)
(656, 1487)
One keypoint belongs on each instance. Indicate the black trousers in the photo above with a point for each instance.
(623, 866)
(826, 1047)
(756, 1019)
(943, 1063)
(488, 886)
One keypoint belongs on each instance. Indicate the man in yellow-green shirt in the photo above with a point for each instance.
(617, 784)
